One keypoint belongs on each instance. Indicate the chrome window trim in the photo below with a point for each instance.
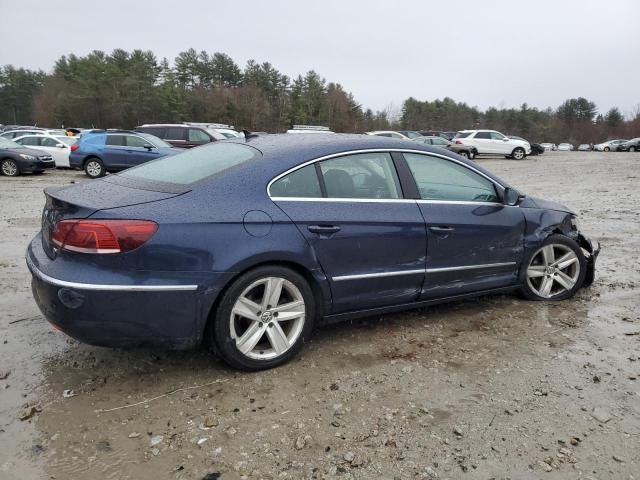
(470, 267)
(396, 273)
(376, 150)
(104, 287)
(389, 200)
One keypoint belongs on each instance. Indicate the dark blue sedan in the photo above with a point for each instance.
(100, 151)
(247, 244)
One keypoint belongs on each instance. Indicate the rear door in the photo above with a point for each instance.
(483, 142)
(474, 241)
(370, 242)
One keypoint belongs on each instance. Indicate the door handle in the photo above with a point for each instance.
(324, 229)
(442, 229)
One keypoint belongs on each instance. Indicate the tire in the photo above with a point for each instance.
(94, 168)
(562, 281)
(464, 154)
(632, 148)
(472, 154)
(249, 293)
(606, 149)
(9, 167)
(518, 153)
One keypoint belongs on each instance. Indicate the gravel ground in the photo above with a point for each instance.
(496, 387)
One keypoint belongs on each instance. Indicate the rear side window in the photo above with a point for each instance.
(302, 183)
(194, 164)
(157, 131)
(174, 133)
(365, 175)
(483, 135)
(440, 179)
(30, 141)
(116, 140)
(462, 134)
(94, 140)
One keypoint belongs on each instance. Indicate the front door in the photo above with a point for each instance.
(370, 242)
(139, 151)
(474, 241)
(500, 143)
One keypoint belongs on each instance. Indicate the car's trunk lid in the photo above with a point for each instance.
(83, 200)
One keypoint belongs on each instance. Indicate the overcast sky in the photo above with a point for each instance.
(486, 53)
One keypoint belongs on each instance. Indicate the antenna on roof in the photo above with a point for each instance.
(248, 134)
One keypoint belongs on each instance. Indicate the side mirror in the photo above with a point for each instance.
(511, 196)
(60, 145)
(506, 139)
(148, 146)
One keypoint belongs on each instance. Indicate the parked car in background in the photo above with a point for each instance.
(410, 134)
(388, 133)
(464, 150)
(491, 142)
(435, 133)
(11, 134)
(227, 130)
(609, 145)
(16, 159)
(180, 135)
(245, 244)
(632, 145)
(59, 147)
(565, 147)
(549, 146)
(309, 129)
(585, 147)
(102, 151)
(536, 148)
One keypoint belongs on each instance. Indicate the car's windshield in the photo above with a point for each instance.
(195, 164)
(6, 143)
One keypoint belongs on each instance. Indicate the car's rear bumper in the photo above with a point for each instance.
(112, 315)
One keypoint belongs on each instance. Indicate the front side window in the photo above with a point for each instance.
(497, 136)
(364, 175)
(48, 142)
(198, 136)
(194, 164)
(138, 142)
(302, 183)
(483, 135)
(440, 179)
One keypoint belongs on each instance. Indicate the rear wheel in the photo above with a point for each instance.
(607, 149)
(518, 153)
(464, 154)
(9, 167)
(263, 319)
(555, 271)
(632, 148)
(94, 168)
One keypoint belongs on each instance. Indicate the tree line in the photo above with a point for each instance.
(124, 89)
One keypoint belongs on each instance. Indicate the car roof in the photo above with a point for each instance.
(282, 152)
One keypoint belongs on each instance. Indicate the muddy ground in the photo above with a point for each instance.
(496, 387)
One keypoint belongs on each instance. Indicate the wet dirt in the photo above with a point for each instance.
(496, 387)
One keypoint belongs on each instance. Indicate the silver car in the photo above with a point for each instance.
(608, 146)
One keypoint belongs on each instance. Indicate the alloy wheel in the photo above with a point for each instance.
(94, 169)
(518, 154)
(553, 270)
(9, 168)
(267, 318)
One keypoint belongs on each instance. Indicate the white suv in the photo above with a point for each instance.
(490, 142)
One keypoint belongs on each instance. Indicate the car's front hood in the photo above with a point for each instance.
(533, 202)
(30, 151)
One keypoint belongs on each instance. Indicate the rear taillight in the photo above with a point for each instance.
(459, 142)
(102, 236)
(74, 147)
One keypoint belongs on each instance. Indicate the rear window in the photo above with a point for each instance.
(195, 164)
(462, 134)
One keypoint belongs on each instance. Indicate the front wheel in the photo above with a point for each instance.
(632, 149)
(263, 319)
(555, 271)
(9, 167)
(607, 149)
(518, 153)
(94, 168)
